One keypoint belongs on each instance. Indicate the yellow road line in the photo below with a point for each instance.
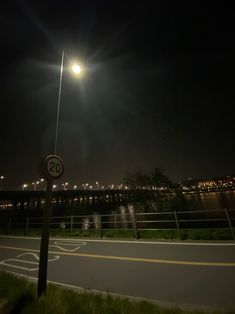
(130, 259)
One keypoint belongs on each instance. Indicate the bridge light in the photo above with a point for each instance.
(24, 186)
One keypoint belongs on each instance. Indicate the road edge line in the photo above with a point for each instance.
(232, 243)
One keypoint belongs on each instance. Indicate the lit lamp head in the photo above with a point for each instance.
(77, 70)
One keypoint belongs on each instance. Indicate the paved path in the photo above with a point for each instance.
(184, 273)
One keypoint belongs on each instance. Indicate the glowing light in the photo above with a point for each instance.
(24, 186)
(76, 68)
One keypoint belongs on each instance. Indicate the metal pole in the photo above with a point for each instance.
(71, 223)
(101, 231)
(9, 226)
(229, 223)
(134, 225)
(27, 225)
(58, 103)
(177, 222)
(42, 274)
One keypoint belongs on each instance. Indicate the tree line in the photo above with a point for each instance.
(156, 179)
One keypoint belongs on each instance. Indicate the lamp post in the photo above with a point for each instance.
(77, 70)
(58, 102)
(1, 179)
(24, 186)
(53, 168)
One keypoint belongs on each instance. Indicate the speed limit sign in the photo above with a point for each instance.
(53, 166)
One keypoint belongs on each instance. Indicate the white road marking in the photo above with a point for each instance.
(58, 244)
(38, 258)
(33, 254)
(7, 262)
(232, 243)
(65, 250)
(133, 259)
(69, 242)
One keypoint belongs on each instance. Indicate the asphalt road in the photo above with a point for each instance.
(194, 274)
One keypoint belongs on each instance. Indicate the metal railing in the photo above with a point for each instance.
(174, 220)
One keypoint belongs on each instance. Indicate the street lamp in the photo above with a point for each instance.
(42, 181)
(54, 168)
(77, 69)
(65, 185)
(24, 186)
(35, 185)
(1, 178)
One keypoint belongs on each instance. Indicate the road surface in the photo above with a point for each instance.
(189, 274)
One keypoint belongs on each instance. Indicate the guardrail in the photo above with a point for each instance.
(175, 220)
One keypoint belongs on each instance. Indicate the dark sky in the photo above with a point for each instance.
(158, 90)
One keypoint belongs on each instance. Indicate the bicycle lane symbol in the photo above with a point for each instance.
(30, 261)
(26, 261)
(67, 246)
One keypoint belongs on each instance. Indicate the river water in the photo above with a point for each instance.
(211, 200)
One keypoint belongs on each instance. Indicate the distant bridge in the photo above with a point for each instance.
(34, 201)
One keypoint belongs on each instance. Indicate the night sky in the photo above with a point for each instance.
(158, 89)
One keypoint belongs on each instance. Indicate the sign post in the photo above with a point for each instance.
(53, 169)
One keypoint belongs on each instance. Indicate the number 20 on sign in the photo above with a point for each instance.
(53, 167)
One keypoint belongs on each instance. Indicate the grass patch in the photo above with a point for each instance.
(19, 296)
(82, 233)
(158, 234)
(15, 293)
(197, 234)
(119, 234)
(220, 234)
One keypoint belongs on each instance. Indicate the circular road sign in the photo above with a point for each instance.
(53, 166)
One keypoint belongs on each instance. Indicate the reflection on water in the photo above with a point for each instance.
(212, 200)
(196, 202)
